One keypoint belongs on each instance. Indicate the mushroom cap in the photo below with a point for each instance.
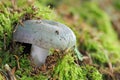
(45, 34)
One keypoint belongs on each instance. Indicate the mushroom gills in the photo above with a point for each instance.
(39, 55)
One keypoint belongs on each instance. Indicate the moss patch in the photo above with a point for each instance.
(67, 69)
(94, 33)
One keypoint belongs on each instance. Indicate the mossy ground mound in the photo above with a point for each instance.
(96, 39)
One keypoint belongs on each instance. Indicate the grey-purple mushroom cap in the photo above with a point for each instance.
(45, 34)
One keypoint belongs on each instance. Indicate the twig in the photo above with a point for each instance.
(104, 71)
(5, 41)
(14, 4)
(15, 28)
(17, 59)
(20, 22)
(108, 62)
(9, 72)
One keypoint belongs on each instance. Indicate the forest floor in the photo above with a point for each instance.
(96, 28)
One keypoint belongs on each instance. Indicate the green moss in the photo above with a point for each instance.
(99, 58)
(29, 77)
(116, 4)
(91, 73)
(100, 37)
(95, 17)
(67, 69)
(25, 70)
(8, 20)
(5, 29)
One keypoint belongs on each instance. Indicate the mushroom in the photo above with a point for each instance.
(44, 35)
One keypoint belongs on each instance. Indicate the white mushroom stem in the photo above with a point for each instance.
(39, 55)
